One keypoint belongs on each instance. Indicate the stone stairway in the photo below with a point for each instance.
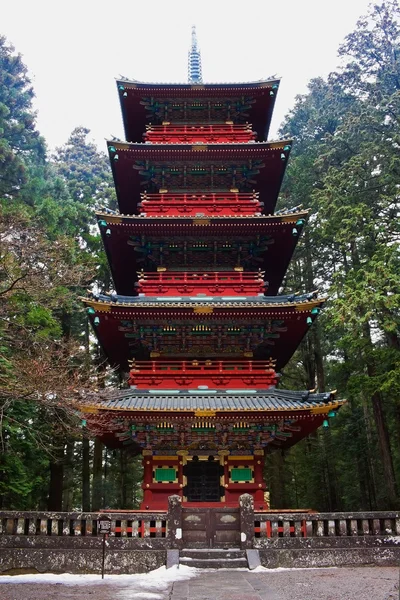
(215, 558)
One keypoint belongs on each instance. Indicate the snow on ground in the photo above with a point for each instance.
(142, 596)
(261, 569)
(158, 579)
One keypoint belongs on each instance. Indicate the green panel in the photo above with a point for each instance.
(241, 475)
(165, 475)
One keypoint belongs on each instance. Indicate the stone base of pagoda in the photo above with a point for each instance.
(204, 479)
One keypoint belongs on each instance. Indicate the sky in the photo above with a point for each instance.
(74, 50)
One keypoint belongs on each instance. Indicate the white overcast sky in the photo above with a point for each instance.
(74, 50)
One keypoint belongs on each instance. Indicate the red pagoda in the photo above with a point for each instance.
(198, 257)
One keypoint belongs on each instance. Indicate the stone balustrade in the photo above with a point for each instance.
(139, 540)
(123, 524)
(325, 525)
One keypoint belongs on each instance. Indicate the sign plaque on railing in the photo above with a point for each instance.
(103, 528)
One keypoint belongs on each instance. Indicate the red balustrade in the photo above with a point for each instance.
(192, 374)
(227, 204)
(205, 134)
(216, 283)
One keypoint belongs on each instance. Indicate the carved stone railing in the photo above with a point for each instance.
(269, 526)
(139, 541)
(64, 524)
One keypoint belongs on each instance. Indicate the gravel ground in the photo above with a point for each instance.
(368, 583)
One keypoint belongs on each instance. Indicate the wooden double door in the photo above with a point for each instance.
(203, 481)
(211, 527)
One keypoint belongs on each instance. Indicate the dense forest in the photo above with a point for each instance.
(344, 167)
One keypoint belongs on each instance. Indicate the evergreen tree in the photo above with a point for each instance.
(346, 163)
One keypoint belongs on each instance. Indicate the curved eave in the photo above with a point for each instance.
(206, 405)
(138, 303)
(212, 220)
(232, 148)
(132, 84)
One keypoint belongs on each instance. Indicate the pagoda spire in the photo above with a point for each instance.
(194, 62)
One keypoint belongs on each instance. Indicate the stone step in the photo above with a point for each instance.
(212, 553)
(213, 558)
(214, 563)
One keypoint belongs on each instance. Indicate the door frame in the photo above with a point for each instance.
(220, 457)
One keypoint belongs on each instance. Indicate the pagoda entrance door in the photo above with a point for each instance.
(203, 481)
(210, 527)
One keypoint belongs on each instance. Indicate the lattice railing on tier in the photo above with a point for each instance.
(223, 204)
(218, 283)
(215, 374)
(191, 134)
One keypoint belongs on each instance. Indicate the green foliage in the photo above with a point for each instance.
(86, 171)
(50, 250)
(18, 135)
(345, 166)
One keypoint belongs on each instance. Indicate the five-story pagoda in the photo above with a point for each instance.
(198, 256)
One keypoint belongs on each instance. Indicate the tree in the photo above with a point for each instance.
(346, 162)
(40, 371)
(19, 139)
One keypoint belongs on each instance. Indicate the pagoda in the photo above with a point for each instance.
(197, 323)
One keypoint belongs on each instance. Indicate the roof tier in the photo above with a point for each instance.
(262, 328)
(156, 103)
(236, 420)
(197, 168)
(190, 243)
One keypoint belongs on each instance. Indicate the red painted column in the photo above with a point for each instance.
(259, 479)
(147, 478)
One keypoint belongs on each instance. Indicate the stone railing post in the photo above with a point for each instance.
(246, 507)
(174, 521)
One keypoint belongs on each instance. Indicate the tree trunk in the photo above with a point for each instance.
(386, 453)
(105, 479)
(97, 492)
(55, 498)
(278, 499)
(308, 363)
(124, 479)
(318, 360)
(68, 488)
(85, 474)
(381, 426)
(368, 454)
(330, 472)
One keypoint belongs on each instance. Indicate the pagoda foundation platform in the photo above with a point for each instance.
(139, 540)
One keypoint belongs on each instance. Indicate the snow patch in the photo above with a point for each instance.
(261, 569)
(157, 579)
(140, 595)
(393, 539)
